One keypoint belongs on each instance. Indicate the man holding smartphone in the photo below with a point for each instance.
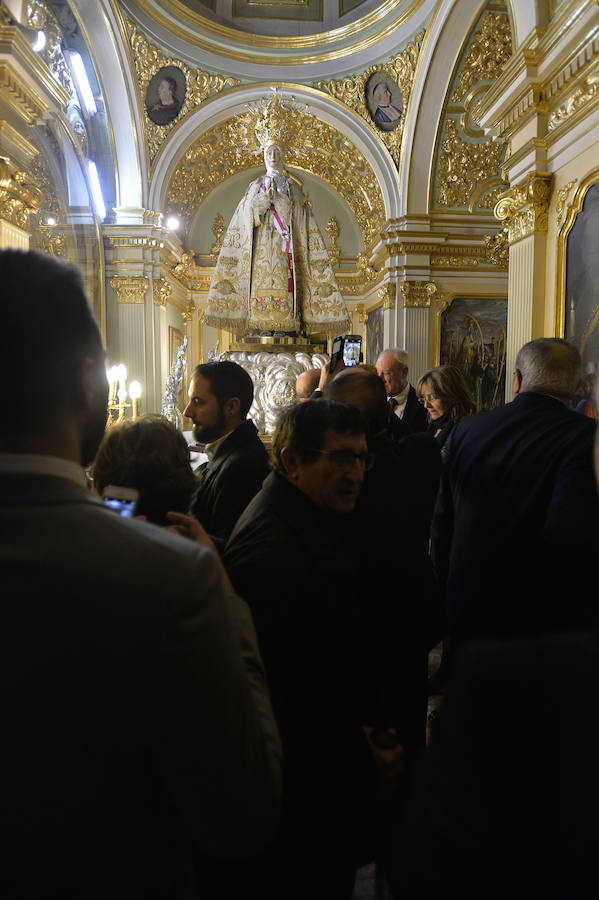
(137, 728)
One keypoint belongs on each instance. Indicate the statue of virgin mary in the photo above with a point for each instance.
(273, 273)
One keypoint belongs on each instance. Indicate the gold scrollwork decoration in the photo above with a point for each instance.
(352, 91)
(488, 53)
(387, 294)
(417, 294)
(218, 230)
(332, 230)
(464, 166)
(130, 288)
(497, 248)
(524, 208)
(324, 152)
(19, 196)
(455, 262)
(161, 291)
(187, 314)
(576, 101)
(199, 85)
(562, 198)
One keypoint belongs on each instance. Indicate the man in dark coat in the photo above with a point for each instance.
(517, 504)
(292, 556)
(220, 397)
(392, 367)
(137, 728)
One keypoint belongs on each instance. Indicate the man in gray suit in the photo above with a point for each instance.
(138, 735)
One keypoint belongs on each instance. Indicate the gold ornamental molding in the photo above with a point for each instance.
(324, 152)
(19, 196)
(562, 199)
(487, 54)
(454, 262)
(352, 92)
(387, 295)
(497, 248)
(281, 50)
(524, 208)
(417, 294)
(9, 136)
(27, 104)
(579, 99)
(148, 60)
(161, 292)
(188, 311)
(463, 167)
(130, 288)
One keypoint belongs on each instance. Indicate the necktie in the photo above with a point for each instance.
(392, 403)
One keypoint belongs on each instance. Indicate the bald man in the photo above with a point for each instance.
(393, 368)
(306, 384)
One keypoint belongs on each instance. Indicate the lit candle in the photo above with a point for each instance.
(135, 392)
(122, 376)
(572, 308)
(113, 377)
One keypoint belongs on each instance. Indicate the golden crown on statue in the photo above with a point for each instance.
(271, 120)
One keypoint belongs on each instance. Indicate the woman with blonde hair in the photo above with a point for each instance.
(447, 399)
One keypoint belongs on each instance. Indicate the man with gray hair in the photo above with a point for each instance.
(517, 511)
(392, 367)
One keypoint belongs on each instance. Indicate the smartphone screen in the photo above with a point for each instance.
(121, 500)
(351, 351)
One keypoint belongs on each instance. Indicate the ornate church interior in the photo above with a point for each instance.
(447, 225)
(249, 180)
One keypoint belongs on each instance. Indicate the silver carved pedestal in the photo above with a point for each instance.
(273, 373)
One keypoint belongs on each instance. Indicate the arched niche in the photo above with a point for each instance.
(224, 107)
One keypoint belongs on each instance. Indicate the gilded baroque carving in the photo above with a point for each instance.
(148, 60)
(161, 291)
(366, 270)
(463, 167)
(19, 196)
(333, 233)
(218, 230)
(454, 261)
(576, 101)
(362, 315)
(351, 91)
(497, 248)
(387, 294)
(41, 17)
(187, 314)
(488, 53)
(524, 208)
(417, 294)
(562, 197)
(324, 152)
(130, 288)
(182, 269)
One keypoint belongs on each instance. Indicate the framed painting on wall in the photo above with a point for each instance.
(374, 334)
(581, 325)
(473, 338)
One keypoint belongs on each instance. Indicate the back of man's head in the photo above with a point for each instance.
(549, 366)
(48, 331)
(306, 383)
(302, 428)
(365, 390)
(228, 379)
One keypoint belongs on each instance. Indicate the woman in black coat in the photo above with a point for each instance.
(447, 399)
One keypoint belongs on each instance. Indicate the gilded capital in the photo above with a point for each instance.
(524, 208)
(19, 197)
(187, 314)
(417, 293)
(497, 248)
(362, 316)
(387, 294)
(161, 291)
(130, 288)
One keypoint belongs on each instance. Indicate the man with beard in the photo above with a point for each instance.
(137, 727)
(220, 397)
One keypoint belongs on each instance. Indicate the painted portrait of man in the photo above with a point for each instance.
(165, 95)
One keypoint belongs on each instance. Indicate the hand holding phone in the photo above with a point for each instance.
(122, 500)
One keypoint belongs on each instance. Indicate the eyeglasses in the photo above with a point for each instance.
(345, 459)
(430, 398)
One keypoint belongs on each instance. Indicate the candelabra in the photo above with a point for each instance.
(118, 394)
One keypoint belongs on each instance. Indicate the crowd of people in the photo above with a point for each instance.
(227, 695)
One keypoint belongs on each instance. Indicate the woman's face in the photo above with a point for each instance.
(273, 157)
(165, 93)
(382, 95)
(434, 407)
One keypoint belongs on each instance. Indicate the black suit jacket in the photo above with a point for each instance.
(414, 414)
(505, 803)
(230, 480)
(134, 709)
(518, 507)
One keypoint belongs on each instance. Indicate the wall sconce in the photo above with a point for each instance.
(118, 394)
